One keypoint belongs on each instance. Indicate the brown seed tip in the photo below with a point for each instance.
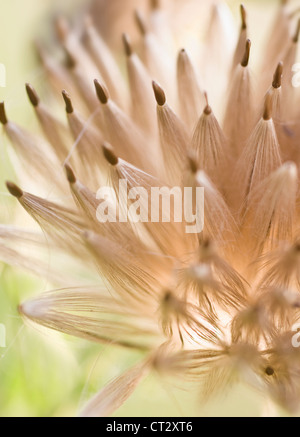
(182, 55)
(109, 154)
(296, 36)
(32, 95)
(267, 115)
(245, 60)
(278, 76)
(68, 102)
(159, 94)
(3, 118)
(167, 296)
(207, 109)
(244, 17)
(206, 243)
(154, 4)
(140, 21)
(70, 174)
(192, 162)
(269, 371)
(127, 45)
(70, 61)
(102, 92)
(14, 190)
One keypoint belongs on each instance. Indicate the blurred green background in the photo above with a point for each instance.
(44, 373)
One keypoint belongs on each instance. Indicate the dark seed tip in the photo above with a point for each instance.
(296, 36)
(154, 4)
(68, 102)
(269, 371)
(70, 174)
(207, 110)
(32, 95)
(101, 91)
(109, 154)
(14, 190)
(244, 17)
(159, 94)
(3, 118)
(193, 165)
(278, 76)
(245, 60)
(127, 45)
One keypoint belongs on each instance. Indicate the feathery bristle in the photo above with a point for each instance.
(141, 93)
(190, 96)
(267, 114)
(271, 209)
(210, 146)
(239, 114)
(112, 396)
(173, 138)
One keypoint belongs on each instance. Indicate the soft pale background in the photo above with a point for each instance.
(46, 374)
